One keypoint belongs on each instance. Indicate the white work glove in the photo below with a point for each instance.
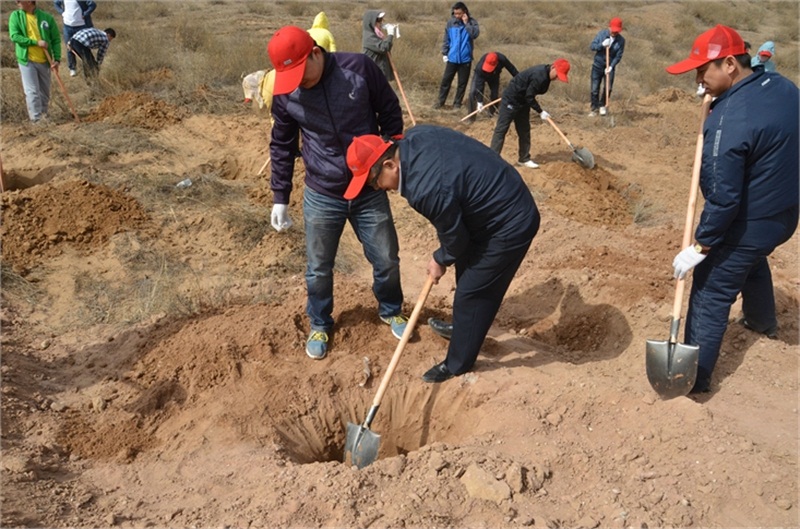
(280, 217)
(391, 29)
(444, 58)
(686, 260)
(544, 115)
(480, 107)
(701, 90)
(397, 31)
(608, 70)
(607, 42)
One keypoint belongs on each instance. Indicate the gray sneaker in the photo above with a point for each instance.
(317, 345)
(398, 324)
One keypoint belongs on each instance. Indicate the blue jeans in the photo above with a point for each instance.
(371, 218)
(738, 265)
(598, 77)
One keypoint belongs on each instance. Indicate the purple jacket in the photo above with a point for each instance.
(352, 98)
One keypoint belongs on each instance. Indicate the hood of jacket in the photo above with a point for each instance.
(368, 22)
(767, 46)
(320, 21)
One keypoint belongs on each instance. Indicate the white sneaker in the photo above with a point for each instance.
(603, 111)
(530, 163)
(73, 73)
(592, 114)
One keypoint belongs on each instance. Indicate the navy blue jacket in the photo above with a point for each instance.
(614, 52)
(458, 37)
(470, 194)
(87, 7)
(751, 152)
(526, 85)
(352, 98)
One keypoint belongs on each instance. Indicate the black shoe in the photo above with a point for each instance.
(772, 334)
(442, 328)
(438, 373)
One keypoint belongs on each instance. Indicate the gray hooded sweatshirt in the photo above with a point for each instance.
(375, 47)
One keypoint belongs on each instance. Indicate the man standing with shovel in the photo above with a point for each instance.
(749, 179)
(608, 45)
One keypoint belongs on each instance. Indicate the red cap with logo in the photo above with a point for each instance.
(562, 69)
(615, 25)
(288, 50)
(716, 43)
(490, 62)
(362, 154)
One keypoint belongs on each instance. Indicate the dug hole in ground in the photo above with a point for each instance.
(154, 374)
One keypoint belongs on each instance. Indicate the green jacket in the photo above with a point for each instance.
(18, 30)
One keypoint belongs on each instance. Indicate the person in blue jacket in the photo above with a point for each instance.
(459, 33)
(749, 178)
(77, 15)
(484, 215)
(611, 38)
(763, 57)
(487, 72)
(329, 98)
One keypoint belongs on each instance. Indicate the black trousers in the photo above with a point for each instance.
(521, 117)
(450, 71)
(482, 279)
(90, 66)
(477, 96)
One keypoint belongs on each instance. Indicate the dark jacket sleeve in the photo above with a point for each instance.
(283, 146)
(59, 5)
(507, 64)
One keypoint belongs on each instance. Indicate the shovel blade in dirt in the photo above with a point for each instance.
(361, 445)
(583, 157)
(671, 367)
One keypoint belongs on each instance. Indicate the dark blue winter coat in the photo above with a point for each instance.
(526, 85)
(352, 98)
(751, 152)
(614, 52)
(470, 194)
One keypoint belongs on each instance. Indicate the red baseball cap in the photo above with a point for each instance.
(288, 50)
(766, 53)
(716, 43)
(562, 69)
(489, 62)
(615, 25)
(362, 154)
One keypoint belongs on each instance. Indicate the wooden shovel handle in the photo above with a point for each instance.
(487, 105)
(549, 120)
(608, 75)
(689, 225)
(61, 84)
(400, 86)
(412, 322)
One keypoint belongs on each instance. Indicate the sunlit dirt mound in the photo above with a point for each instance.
(38, 222)
(137, 109)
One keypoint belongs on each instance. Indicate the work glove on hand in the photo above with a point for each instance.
(607, 42)
(480, 107)
(701, 90)
(391, 29)
(544, 115)
(687, 259)
(608, 70)
(280, 217)
(444, 58)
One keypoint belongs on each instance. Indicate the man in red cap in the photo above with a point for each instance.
(483, 213)
(749, 178)
(329, 98)
(488, 71)
(610, 39)
(519, 98)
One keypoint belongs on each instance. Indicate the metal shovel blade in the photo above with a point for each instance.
(671, 367)
(361, 444)
(583, 157)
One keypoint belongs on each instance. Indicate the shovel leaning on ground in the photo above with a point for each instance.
(362, 443)
(61, 84)
(581, 155)
(672, 366)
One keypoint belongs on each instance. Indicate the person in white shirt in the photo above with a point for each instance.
(77, 15)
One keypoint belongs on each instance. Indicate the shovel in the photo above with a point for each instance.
(672, 366)
(61, 84)
(400, 86)
(487, 105)
(362, 444)
(608, 76)
(579, 154)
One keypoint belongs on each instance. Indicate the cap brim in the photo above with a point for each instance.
(562, 77)
(686, 65)
(488, 68)
(287, 80)
(355, 186)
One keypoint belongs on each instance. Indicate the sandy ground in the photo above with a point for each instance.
(153, 368)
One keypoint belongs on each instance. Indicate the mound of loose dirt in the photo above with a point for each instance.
(38, 222)
(137, 109)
